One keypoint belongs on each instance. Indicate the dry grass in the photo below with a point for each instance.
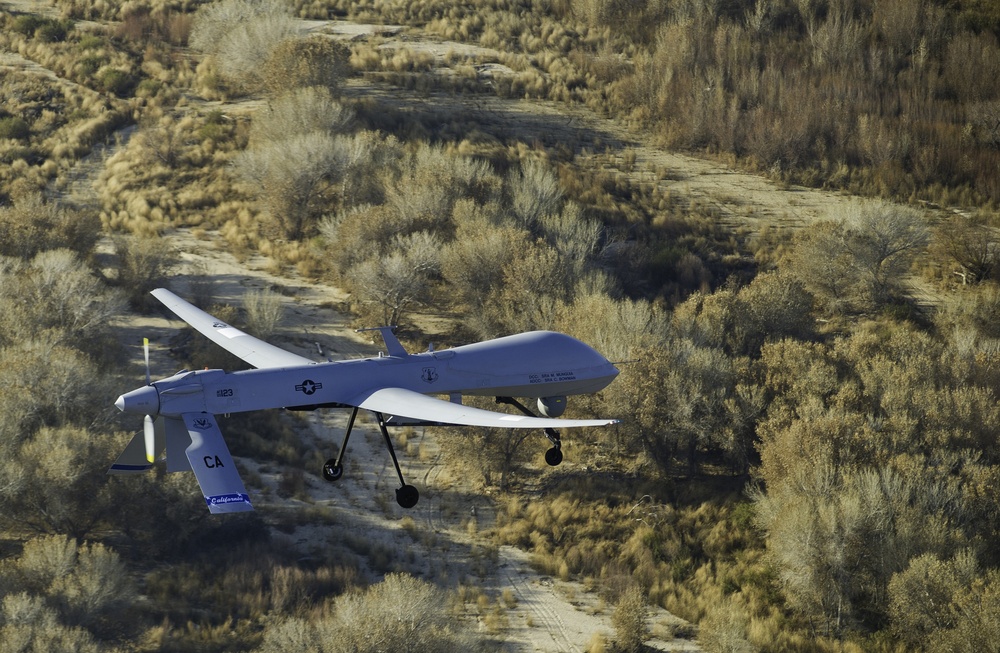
(708, 82)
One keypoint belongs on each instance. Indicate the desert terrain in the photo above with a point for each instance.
(446, 537)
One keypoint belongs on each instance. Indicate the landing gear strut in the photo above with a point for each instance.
(333, 469)
(406, 496)
(554, 455)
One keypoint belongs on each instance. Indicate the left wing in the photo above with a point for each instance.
(253, 350)
(407, 403)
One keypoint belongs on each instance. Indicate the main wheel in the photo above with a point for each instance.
(407, 496)
(553, 456)
(332, 471)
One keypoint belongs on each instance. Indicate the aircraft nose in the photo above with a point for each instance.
(144, 401)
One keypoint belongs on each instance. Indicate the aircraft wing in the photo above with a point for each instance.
(254, 351)
(407, 403)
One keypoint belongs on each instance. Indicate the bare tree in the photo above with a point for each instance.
(240, 35)
(534, 192)
(400, 280)
(972, 243)
(884, 238)
(297, 112)
(858, 261)
(294, 177)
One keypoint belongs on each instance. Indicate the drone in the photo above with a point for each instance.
(397, 387)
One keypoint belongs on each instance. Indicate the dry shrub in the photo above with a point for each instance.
(629, 620)
(142, 266)
(241, 35)
(31, 225)
(295, 178)
(299, 111)
(55, 295)
(725, 629)
(264, 312)
(399, 613)
(30, 623)
(171, 172)
(297, 63)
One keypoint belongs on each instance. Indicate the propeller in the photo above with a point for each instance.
(149, 436)
(148, 427)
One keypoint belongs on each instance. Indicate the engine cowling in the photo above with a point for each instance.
(552, 406)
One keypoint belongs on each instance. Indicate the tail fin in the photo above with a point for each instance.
(213, 465)
(133, 459)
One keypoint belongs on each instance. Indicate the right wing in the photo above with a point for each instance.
(407, 403)
(253, 350)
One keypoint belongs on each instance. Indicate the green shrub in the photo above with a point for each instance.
(52, 32)
(91, 42)
(116, 81)
(91, 63)
(48, 30)
(14, 127)
(148, 88)
(27, 24)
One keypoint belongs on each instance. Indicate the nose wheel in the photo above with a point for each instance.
(554, 455)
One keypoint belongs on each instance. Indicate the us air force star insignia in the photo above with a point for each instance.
(308, 387)
(430, 375)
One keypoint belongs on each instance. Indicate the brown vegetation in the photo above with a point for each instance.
(793, 367)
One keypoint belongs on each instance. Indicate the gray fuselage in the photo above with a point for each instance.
(536, 364)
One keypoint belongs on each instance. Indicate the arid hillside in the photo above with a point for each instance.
(779, 217)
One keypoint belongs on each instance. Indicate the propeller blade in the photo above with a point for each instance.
(145, 349)
(149, 435)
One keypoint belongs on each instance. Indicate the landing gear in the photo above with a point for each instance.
(333, 469)
(554, 455)
(406, 496)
